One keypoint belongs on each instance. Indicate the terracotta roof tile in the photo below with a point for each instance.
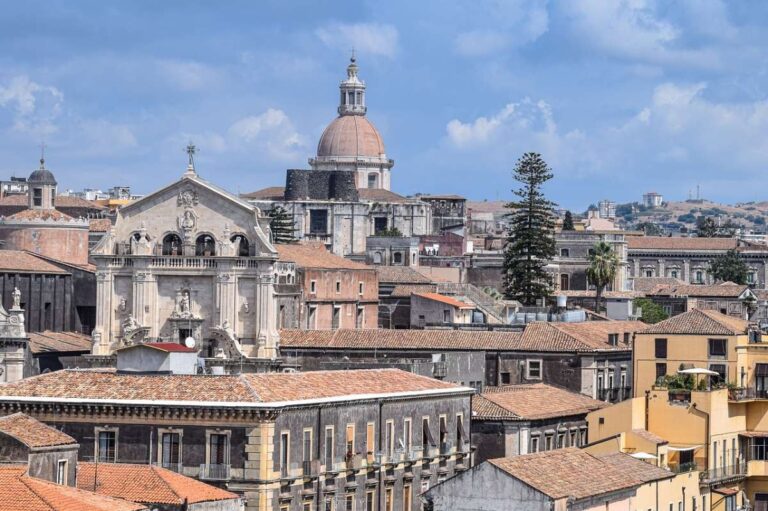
(645, 284)
(486, 410)
(380, 195)
(624, 463)
(33, 433)
(61, 201)
(725, 290)
(669, 243)
(647, 435)
(268, 388)
(24, 262)
(315, 255)
(20, 492)
(606, 294)
(571, 472)
(585, 336)
(48, 341)
(538, 401)
(270, 193)
(401, 275)
(699, 322)
(437, 297)
(400, 339)
(147, 484)
(99, 224)
(39, 214)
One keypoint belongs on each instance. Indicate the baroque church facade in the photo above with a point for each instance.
(189, 264)
(346, 194)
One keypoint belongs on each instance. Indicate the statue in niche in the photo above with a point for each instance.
(226, 247)
(187, 222)
(183, 307)
(246, 306)
(16, 298)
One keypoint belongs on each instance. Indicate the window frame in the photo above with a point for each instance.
(97, 440)
(528, 362)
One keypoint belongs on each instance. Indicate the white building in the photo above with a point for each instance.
(653, 200)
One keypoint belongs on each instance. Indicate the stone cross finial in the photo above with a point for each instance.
(191, 151)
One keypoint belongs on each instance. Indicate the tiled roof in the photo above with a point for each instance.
(99, 224)
(669, 243)
(606, 294)
(624, 463)
(699, 322)
(401, 275)
(315, 255)
(570, 472)
(24, 262)
(19, 492)
(486, 410)
(645, 284)
(536, 401)
(271, 193)
(400, 339)
(33, 433)
(725, 290)
(39, 214)
(585, 336)
(447, 300)
(48, 341)
(168, 347)
(405, 290)
(380, 195)
(647, 435)
(247, 389)
(61, 201)
(147, 484)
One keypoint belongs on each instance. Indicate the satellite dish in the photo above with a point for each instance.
(190, 342)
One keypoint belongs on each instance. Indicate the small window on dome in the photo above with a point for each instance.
(373, 181)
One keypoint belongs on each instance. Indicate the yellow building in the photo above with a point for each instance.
(700, 409)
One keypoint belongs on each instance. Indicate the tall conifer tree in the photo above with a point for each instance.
(530, 243)
(281, 225)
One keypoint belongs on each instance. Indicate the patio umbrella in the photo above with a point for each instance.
(643, 456)
(697, 371)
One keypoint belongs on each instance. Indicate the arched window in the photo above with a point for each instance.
(397, 258)
(373, 181)
(172, 245)
(243, 247)
(205, 245)
(377, 258)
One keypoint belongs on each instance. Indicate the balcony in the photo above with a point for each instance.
(323, 238)
(608, 395)
(724, 474)
(747, 394)
(215, 472)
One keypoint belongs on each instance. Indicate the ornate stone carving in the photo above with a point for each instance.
(16, 298)
(183, 309)
(187, 222)
(187, 198)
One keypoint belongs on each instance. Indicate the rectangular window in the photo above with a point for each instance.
(61, 472)
(407, 497)
(349, 503)
(370, 501)
(388, 500)
(306, 445)
(360, 317)
(284, 453)
(37, 196)
(548, 443)
(307, 506)
(370, 440)
(564, 252)
(350, 440)
(389, 438)
(443, 435)
(313, 286)
(447, 316)
(535, 444)
(107, 446)
(336, 319)
(318, 221)
(583, 438)
(722, 373)
(533, 369)
(506, 378)
(718, 347)
(460, 433)
(329, 503)
(312, 317)
(338, 286)
(560, 440)
(218, 449)
(360, 288)
(426, 435)
(171, 450)
(328, 447)
(379, 225)
(661, 370)
(626, 337)
(407, 434)
(573, 438)
(613, 339)
(661, 348)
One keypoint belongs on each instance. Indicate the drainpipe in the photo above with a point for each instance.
(706, 434)
(381, 473)
(318, 496)
(647, 412)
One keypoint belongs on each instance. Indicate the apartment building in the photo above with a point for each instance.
(283, 441)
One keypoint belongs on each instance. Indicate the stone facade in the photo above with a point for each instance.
(189, 260)
(15, 358)
(392, 251)
(572, 258)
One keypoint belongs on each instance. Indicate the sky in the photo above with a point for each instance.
(620, 97)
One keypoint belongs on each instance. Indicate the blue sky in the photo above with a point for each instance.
(620, 97)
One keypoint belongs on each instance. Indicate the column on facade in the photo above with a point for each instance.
(687, 270)
(102, 331)
(226, 299)
(662, 268)
(636, 272)
(265, 316)
(144, 300)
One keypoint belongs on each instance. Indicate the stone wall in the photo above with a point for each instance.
(321, 185)
(65, 241)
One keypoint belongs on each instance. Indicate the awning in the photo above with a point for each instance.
(761, 369)
(670, 448)
(698, 370)
(643, 456)
(726, 491)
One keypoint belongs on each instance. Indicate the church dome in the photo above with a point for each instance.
(351, 136)
(42, 176)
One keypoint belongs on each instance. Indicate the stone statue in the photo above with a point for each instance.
(246, 306)
(16, 298)
(184, 304)
(123, 305)
(130, 324)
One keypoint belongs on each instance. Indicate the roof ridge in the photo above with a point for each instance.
(23, 480)
(160, 473)
(242, 377)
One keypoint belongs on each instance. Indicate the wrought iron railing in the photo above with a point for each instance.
(726, 472)
(215, 472)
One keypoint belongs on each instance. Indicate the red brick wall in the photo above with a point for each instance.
(65, 244)
(348, 297)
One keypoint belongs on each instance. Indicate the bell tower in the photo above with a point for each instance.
(352, 91)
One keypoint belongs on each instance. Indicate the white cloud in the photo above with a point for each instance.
(35, 106)
(271, 131)
(186, 75)
(368, 38)
(515, 24)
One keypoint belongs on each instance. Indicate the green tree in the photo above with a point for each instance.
(394, 232)
(729, 267)
(603, 264)
(530, 244)
(568, 222)
(649, 228)
(281, 225)
(652, 311)
(706, 227)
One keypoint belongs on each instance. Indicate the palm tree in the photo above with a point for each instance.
(603, 265)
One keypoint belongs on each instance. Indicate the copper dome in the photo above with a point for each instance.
(351, 136)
